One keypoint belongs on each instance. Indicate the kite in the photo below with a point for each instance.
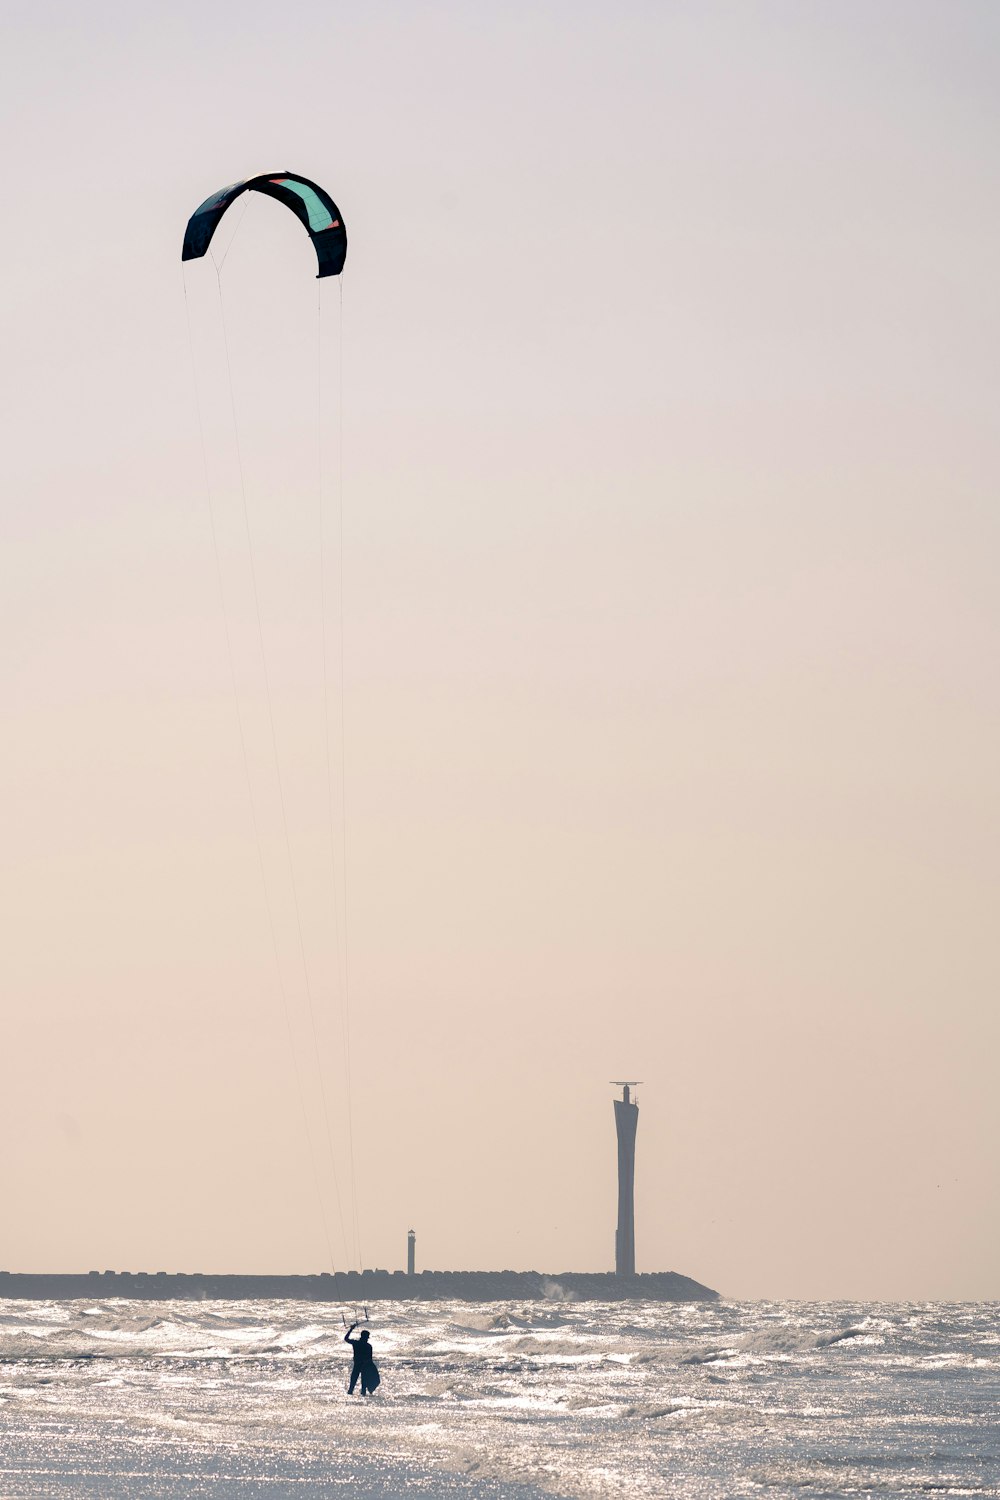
(311, 205)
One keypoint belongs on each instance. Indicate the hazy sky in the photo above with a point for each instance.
(671, 629)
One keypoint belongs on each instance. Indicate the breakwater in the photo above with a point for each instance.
(362, 1287)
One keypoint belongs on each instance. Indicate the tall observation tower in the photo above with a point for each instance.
(626, 1121)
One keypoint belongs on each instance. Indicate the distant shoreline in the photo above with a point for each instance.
(360, 1286)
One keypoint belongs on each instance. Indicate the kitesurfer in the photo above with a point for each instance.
(364, 1365)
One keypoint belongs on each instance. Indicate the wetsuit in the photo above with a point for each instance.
(364, 1364)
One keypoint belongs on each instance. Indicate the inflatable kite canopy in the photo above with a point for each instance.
(310, 204)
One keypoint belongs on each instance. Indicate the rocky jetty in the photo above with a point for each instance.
(365, 1286)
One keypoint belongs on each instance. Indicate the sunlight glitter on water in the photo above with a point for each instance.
(504, 1400)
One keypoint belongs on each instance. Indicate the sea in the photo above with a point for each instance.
(501, 1401)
